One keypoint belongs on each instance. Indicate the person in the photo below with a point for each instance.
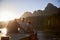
(30, 28)
(23, 26)
(31, 31)
(26, 27)
(12, 26)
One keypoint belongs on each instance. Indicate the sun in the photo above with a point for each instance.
(7, 15)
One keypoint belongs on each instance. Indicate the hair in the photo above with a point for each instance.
(29, 22)
(23, 19)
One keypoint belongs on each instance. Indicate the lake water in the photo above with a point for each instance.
(17, 36)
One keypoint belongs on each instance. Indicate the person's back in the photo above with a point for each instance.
(30, 28)
(32, 32)
(12, 27)
(23, 25)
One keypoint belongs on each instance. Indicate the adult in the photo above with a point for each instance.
(32, 31)
(12, 27)
(28, 28)
(23, 26)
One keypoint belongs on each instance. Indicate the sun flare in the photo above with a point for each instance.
(6, 16)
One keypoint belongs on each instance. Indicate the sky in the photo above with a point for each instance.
(18, 7)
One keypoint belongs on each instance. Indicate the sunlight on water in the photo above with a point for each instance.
(3, 32)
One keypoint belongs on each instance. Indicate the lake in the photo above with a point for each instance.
(40, 34)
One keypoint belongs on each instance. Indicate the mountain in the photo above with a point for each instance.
(50, 9)
(27, 14)
(41, 18)
(37, 13)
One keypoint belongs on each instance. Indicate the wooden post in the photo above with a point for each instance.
(4, 38)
